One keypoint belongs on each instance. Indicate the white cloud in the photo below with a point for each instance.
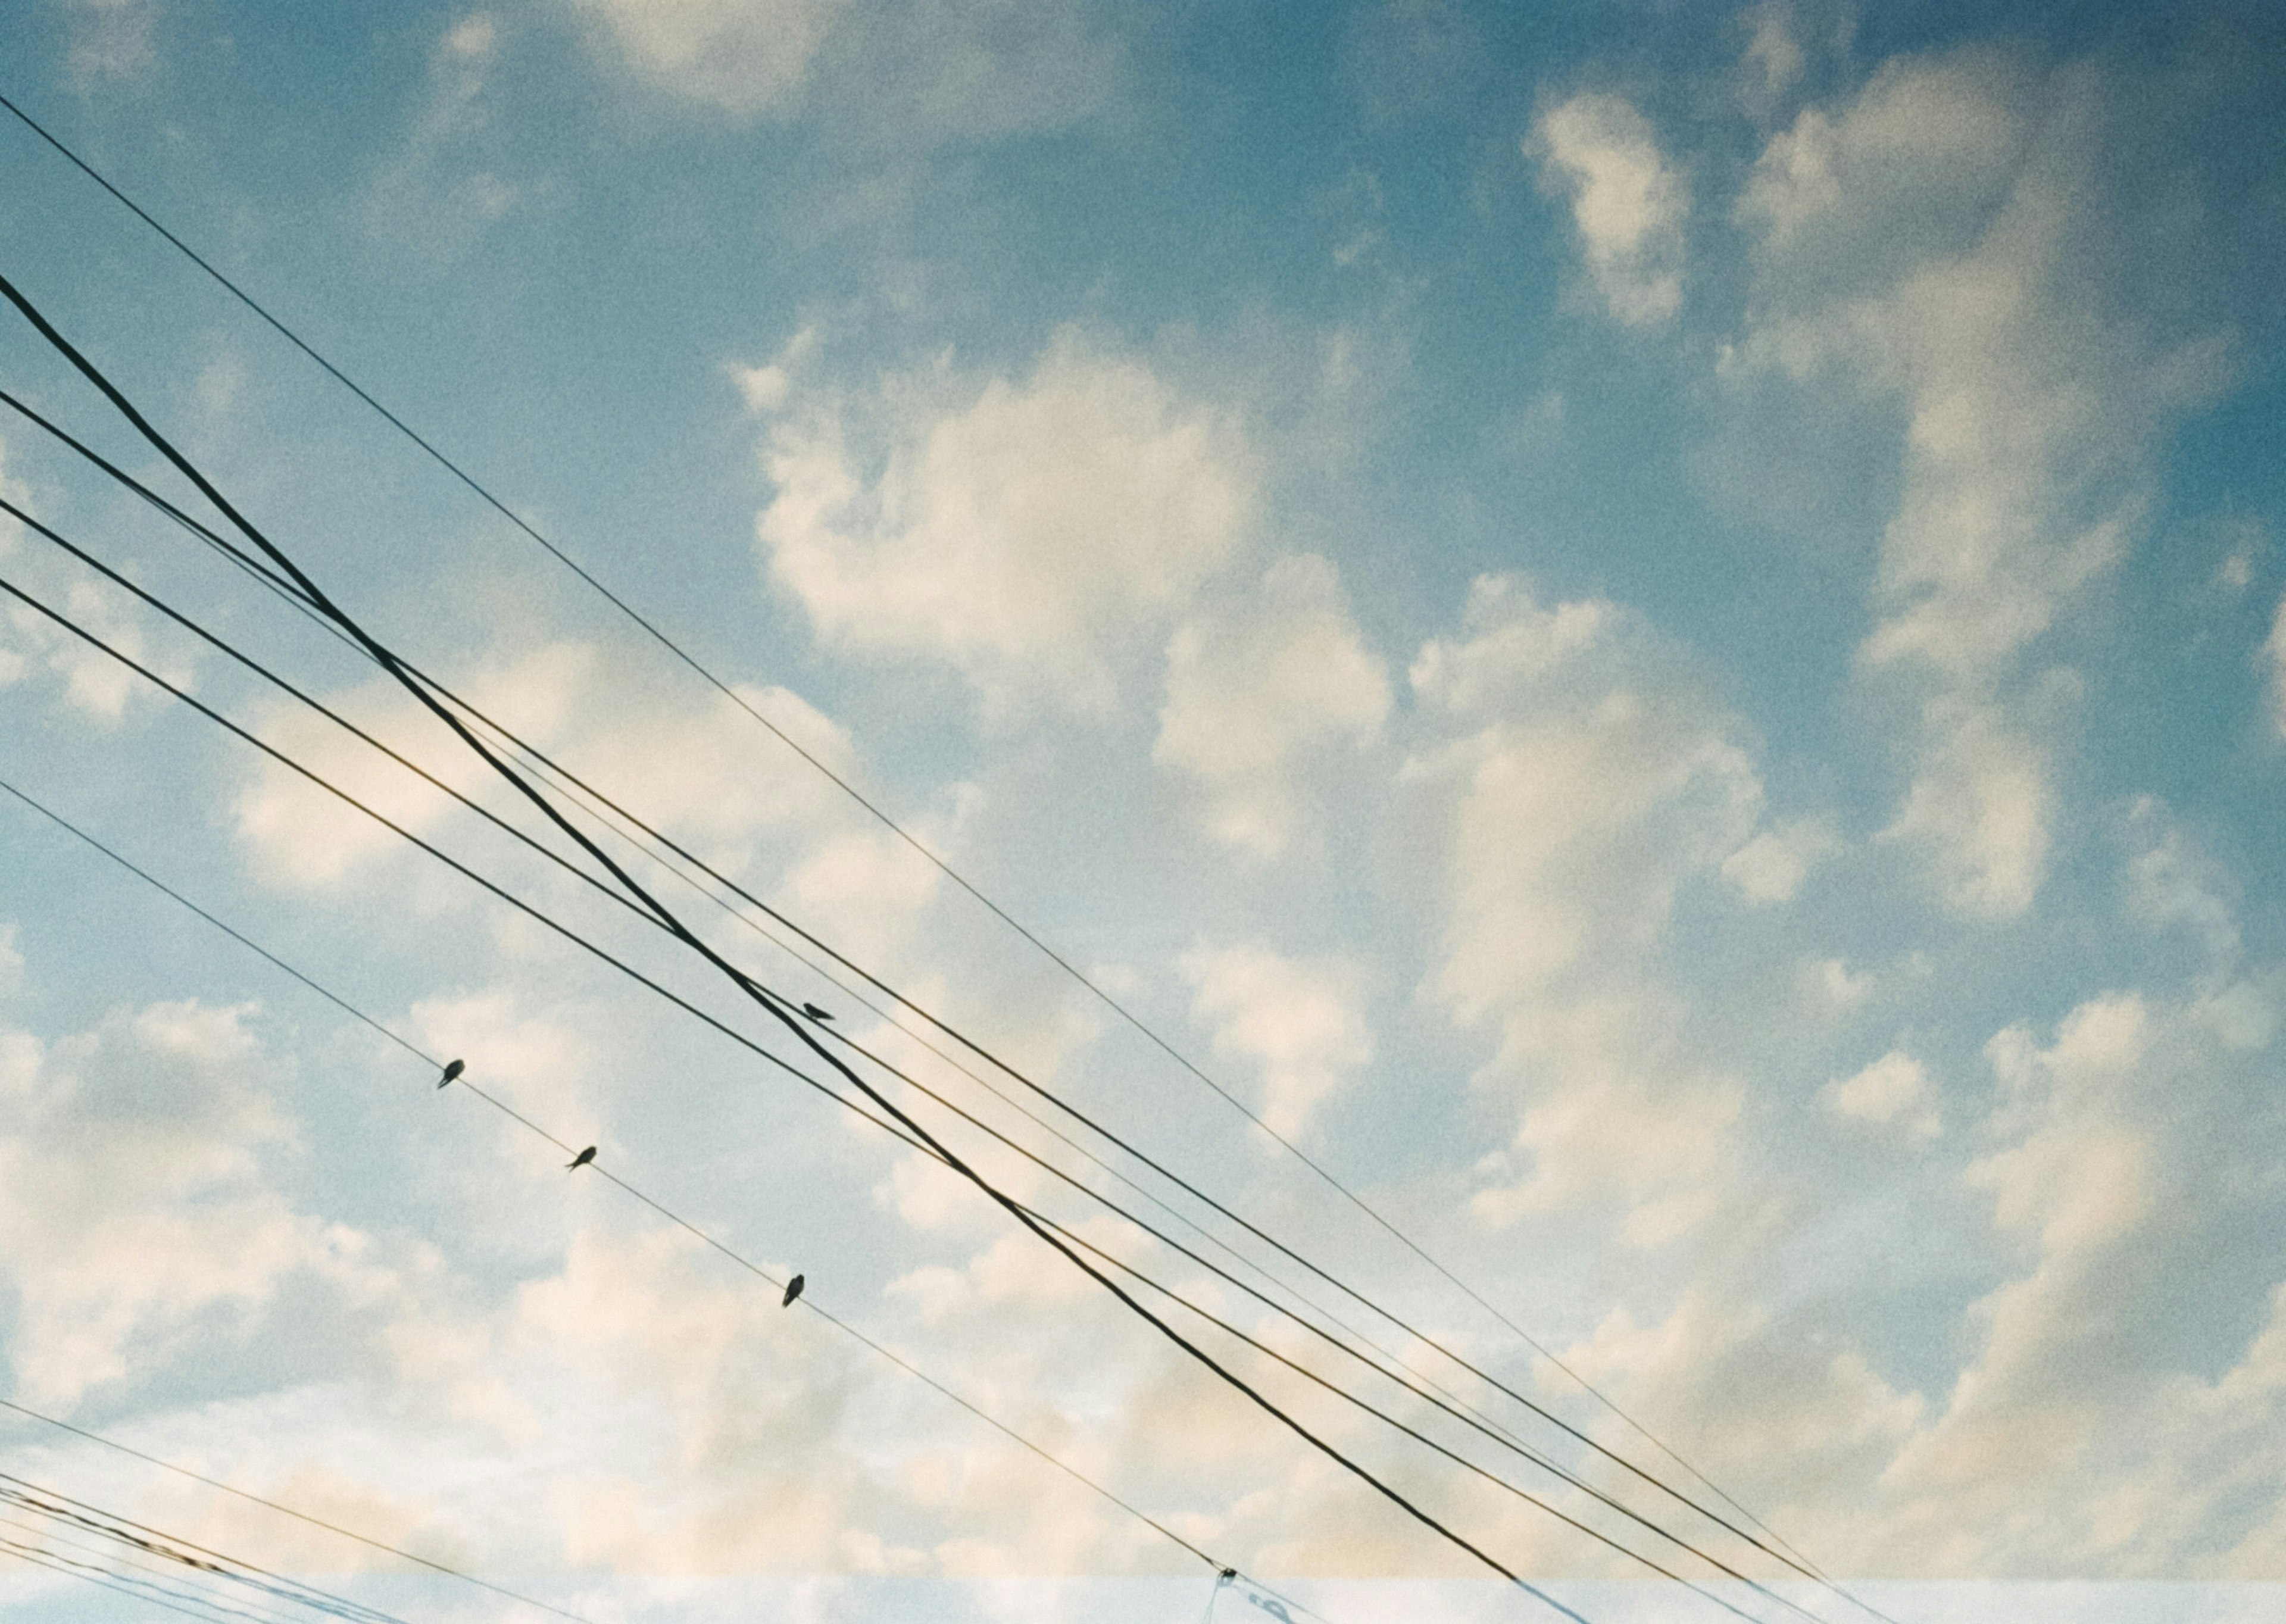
(1928, 242)
(740, 57)
(682, 768)
(1773, 59)
(132, 1204)
(1892, 1092)
(1980, 809)
(1770, 867)
(1255, 693)
(94, 684)
(1023, 536)
(114, 40)
(1589, 780)
(433, 199)
(1629, 202)
(1832, 980)
(915, 70)
(1301, 1023)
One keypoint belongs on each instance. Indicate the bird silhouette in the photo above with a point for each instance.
(581, 1159)
(451, 1071)
(793, 1290)
(815, 1013)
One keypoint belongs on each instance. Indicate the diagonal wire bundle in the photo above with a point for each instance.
(634, 897)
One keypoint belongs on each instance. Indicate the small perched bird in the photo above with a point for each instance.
(451, 1071)
(581, 1159)
(815, 1013)
(1227, 1575)
(793, 1290)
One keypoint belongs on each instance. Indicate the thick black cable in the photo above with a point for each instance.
(1069, 969)
(785, 1017)
(293, 597)
(1505, 1441)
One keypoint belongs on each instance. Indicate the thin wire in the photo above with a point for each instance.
(1069, 969)
(292, 596)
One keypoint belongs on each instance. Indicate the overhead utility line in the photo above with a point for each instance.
(691, 661)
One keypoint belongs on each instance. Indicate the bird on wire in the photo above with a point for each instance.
(581, 1159)
(451, 1071)
(815, 1013)
(793, 1290)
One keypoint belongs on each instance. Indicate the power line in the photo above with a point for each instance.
(690, 661)
(783, 1015)
(1473, 1419)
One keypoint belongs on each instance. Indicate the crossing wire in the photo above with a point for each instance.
(686, 658)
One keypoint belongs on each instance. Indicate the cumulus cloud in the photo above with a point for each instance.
(1770, 867)
(2095, 1185)
(1592, 779)
(431, 201)
(1585, 779)
(1894, 1091)
(1628, 203)
(919, 70)
(1258, 692)
(1981, 808)
(94, 684)
(1022, 535)
(1928, 241)
(1301, 1022)
(741, 57)
(133, 1206)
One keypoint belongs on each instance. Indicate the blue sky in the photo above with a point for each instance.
(1658, 631)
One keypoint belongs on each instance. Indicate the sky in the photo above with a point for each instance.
(1656, 632)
